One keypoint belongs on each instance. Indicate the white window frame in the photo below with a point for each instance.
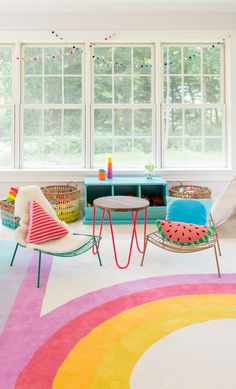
(17, 38)
(200, 106)
(61, 106)
(132, 106)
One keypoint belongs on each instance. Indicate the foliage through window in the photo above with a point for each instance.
(122, 121)
(6, 106)
(53, 106)
(193, 109)
(44, 123)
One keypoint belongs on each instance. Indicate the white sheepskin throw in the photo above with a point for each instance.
(22, 205)
(225, 205)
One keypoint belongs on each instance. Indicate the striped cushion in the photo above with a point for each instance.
(43, 227)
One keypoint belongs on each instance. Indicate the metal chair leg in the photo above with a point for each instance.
(39, 268)
(97, 251)
(217, 262)
(14, 254)
(144, 251)
(218, 243)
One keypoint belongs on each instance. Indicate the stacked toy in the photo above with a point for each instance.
(12, 194)
(109, 168)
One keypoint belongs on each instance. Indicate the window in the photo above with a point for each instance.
(53, 106)
(6, 107)
(193, 111)
(122, 114)
(66, 106)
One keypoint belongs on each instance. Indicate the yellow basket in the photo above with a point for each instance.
(64, 199)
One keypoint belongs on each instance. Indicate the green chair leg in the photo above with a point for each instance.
(14, 254)
(99, 258)
(39, 268)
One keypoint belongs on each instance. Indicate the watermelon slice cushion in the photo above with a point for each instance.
(184, 234)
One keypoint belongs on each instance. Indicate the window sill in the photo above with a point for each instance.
(45, 176)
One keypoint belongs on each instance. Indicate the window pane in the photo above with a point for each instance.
(173, 122)
(53, 135)
(122, 60)
(192, 90)
(123, 155)
(173, 89)
(72, 62)
(33, 151)
(103, 90)
(122, 87)
(142, 151)
(102, 60)
(213, 152)
(33, 122)
(72, 151)
(103, 122)
(72, 90)
(53, 90)
(72, 122)
(174, 152)
(172, 60)
(143, 122)
(5, 137)
(192, 60)
(212, 90)
(5, 90)
(193, 152)
(53, 151)
(102, 149)
(193, 122)
(211, 60)
(213, 121)
(142, 89)
(33, 90)
(52, 122)
(5, 152)
(53, 60)
(33, 66)
(142, 60)
(123, 122)
(5, 61)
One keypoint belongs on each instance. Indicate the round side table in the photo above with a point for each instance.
(131, 204)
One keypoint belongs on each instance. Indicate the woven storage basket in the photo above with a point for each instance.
(64, 199)
(7, 212)
(190, 192)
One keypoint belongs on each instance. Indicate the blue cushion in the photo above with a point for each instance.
(196, 211)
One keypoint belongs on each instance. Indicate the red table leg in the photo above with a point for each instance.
(144, 230)
(134, 234)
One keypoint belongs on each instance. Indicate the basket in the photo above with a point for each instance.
(7, 212)
(64, 199)
(190, 192)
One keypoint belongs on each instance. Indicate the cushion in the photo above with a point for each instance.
(184, 234)
(42, 226)
(195, 211)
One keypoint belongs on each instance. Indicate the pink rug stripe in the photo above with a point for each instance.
(41, 370)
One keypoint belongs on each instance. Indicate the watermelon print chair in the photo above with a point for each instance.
(41, 230)
(178, 236)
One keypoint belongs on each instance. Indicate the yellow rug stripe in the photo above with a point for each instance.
(105, 358)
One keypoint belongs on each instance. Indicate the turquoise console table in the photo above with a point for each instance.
(122, 186)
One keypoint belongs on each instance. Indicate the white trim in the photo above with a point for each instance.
(39, 176)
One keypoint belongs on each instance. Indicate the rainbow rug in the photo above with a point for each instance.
(162, 332)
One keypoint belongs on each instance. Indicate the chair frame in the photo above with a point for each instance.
(158, 240)
(93, 241)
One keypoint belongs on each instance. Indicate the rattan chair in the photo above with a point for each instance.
(212, 242)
